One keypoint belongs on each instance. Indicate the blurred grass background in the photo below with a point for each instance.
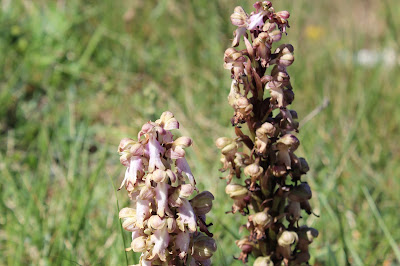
(77, 76)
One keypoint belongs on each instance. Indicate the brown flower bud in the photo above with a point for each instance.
(203, 247)
(308, 234)
(294, 210)
(304, 168)
(290, 141)
(300, 193)
(202, 203)
(302, 257)
(279, 170)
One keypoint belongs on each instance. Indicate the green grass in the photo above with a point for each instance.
(76, 78)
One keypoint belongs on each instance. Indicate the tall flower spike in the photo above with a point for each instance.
(166, 224)
(274, 189)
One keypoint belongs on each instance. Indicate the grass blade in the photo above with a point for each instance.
(381, 223)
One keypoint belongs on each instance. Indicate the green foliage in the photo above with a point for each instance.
(77, 76)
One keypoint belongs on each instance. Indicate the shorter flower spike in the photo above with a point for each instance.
(166, 224)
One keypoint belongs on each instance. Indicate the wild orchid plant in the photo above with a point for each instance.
(167, 228)
(274, 193)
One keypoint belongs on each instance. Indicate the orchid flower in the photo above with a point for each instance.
(164, 223)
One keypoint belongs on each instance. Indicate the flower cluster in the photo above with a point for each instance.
(167, 227)
(273, 191)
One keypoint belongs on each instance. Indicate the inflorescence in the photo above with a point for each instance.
(273, 195)
(167, 227)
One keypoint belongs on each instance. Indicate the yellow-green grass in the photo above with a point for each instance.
(77, 76)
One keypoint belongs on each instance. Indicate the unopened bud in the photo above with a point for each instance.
(290, 141)
(183, 141)
(287, 238)
(300, 193)
(127, 213)
(275, 36)
(263, 261)
(203, 247)
(139, 244)
(235, 190)
(286, 60)
(304, 168)
(168, 121)
(125, 144)
(266, 129)
(156, 222)
(239, 17)
(128, 216)
(202, 203)
(223, 142)
(159, 175)
(253, 170)
(186, 190)
(231, 148)
(283, 14)
(262, 219)
(302, 257)
(308, 233)
(269, 27)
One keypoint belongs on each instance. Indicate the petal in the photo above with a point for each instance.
(137, 233)
(183, 166)
(239, 32)
(146, 129)
(143, 261)
(142, 211)
(186, 216)
(135, 165)
(162, 199)
(160, 239)
(182, 242)
(155, 151)
(256, 20)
